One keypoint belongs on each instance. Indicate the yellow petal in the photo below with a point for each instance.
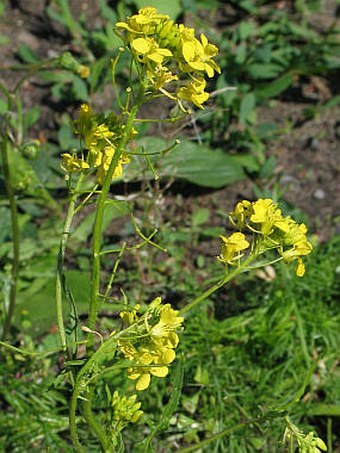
(143, 382)
(300, 270)
(141, 45)
(159, 371)
(188, 50)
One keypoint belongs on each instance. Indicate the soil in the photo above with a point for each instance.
(308, 163)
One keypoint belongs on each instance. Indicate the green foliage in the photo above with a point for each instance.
(258, 349)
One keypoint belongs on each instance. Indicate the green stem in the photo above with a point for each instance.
(203, 296)
(72, 420)
(15, 234)
(80, 386)
(60, 264)
(93, 424)
(98, 224)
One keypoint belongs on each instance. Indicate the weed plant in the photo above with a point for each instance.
(251, 349)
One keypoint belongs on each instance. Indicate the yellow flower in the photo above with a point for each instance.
(163, 333)
(147, 49)
(72, 163)
(103, 160)
(145, 21)
(83, 71)
(266, 213)
(144, 369)
(130, 317)
(194, 92)
(83, 125)
(152, 350)
(232, 246)
(241, 214)
(301, 248)
(300, 269)
(198, 55)
(159, 77)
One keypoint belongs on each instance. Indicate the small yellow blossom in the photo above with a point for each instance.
(143, 370)
(194, 92)
(103, 160)
(160, 77)
(130, 317)
(153, 350)
(198, 55)
(147, 49)
(83, 125)
(83, 71)
(144, 22)
(300, 269)
(271, 231)
(72, 164)
(232, 246)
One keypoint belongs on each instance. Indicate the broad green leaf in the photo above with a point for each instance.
(84, 229)
(264, 71)
(3, 106)
(26, 180)
(100, 73)
(67, 139)
(193, 162)
(200, 216)
(275, 88)
(245, 30)
(40, 305)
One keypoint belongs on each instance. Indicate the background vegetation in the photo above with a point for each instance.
(269, 341)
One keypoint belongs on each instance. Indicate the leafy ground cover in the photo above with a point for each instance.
(263, 349)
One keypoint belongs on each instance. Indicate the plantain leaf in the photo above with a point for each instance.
(193, 162)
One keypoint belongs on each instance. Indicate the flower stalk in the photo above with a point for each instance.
(4, 145)
(98, 225)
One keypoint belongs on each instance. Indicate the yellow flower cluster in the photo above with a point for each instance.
(152, 349)
(271, 231)
(100, 135)
(173, 60)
